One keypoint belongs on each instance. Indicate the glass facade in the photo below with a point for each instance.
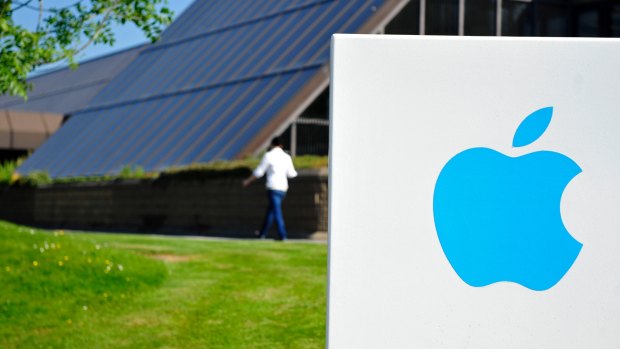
(442, 17)
(597, 19)
(480, 17)
(615, 21)
(517, 19)
(407, 21)
(552, 20)
(558, 18)
(563, 18)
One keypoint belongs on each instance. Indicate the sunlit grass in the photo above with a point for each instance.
(84, 290)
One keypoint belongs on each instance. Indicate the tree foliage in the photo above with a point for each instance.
(63, 32)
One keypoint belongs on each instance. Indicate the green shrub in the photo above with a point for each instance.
(199, 171)
(218, 169)
(132, 172)
(34, 179)
(84, 179)
(310, 162)
(7, 171)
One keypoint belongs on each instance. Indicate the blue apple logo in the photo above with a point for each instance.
(498, 217)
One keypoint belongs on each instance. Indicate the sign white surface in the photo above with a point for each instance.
(402, 107)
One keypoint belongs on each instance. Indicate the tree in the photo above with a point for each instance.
(63, 32)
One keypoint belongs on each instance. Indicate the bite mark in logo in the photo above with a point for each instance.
(498, 217)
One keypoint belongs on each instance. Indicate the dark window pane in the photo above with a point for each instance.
(615, 21)
(480, 17)
(407, 21)
(588, 23)
(517, 19)
(319, 109)
(312, 139)
(442, 17)
(552, 20)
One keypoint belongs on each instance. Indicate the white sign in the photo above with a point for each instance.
(474, 193)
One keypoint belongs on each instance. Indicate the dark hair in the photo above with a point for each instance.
(276, 142)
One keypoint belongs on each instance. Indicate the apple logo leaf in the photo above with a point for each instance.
(532, 127)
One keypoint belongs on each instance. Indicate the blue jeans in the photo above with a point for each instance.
(274, 211)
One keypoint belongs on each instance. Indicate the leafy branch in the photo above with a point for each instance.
(63, 32)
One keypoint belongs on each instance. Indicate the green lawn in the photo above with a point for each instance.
(85, 290)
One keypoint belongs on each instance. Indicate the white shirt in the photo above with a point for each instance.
(279, 166)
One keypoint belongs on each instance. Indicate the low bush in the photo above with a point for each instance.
(7, 171)
(198, 171)
(33, 179)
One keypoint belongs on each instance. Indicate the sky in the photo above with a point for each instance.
(126, 36)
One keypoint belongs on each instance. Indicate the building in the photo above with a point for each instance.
(56, 95)
(558, 18)
(22, 132)
(229, 75)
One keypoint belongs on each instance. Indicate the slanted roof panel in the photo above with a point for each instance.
(258, 48)
(221, 74)
(66, 90)
(206, 16)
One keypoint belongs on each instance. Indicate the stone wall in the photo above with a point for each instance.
(212, 207)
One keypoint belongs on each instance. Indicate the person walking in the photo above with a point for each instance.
(278, 166)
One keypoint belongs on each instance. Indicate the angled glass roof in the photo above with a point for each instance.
(225, 76)
(65, 90)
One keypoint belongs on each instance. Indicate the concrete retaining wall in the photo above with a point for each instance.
(213, 207)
